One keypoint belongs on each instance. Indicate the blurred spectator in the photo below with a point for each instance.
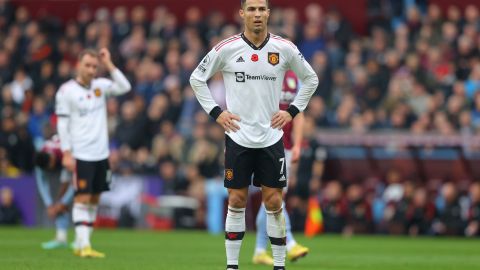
(17, 141)
(360, 220)
(131, 127)
(9, 212)
(420, 214)
(334, 208)
(449, 220)
(20, 84)
(6, 168)
(38, 118)
(473, 225)
(172, 182)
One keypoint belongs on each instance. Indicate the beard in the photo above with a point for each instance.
(258, 30)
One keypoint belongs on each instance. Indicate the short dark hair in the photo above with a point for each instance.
(89, 51)
(242, 3)
(42, 160)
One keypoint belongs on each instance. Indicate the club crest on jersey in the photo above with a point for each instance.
(229, 174)
(273, 58)
(97, 92)
(82, 183)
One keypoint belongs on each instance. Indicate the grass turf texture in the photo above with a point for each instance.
(182, 250)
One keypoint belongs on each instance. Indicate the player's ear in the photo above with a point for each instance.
(241, 13)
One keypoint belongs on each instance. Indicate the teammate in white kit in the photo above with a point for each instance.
(82, 127)
(48, 171)
(253, 65)
(292, 140)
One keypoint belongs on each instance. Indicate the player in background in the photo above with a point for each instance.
(49, 171)
(292, 140)
(82, 127)
(253, 65)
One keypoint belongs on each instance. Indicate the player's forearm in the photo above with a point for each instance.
(43, 187)
(121, 85)
(67, 195)
(298, 130)
(309, 85)
(204, 97)
(63, 133)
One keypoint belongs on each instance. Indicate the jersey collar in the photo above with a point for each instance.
(253, 45)
(83, 85)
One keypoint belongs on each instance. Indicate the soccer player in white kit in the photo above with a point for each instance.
(253, 65)
(82, 127)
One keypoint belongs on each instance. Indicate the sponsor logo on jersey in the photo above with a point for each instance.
(202, 68)
(85, 111)
(240, 76)
(229, 174)
(240, 60)
(273, 58)
(282, 178)
(97, 92)
(254, 57)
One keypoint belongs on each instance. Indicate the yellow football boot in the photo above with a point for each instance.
(262, 258)
(88, 252)
(296, 252)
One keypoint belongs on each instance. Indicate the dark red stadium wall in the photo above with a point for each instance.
(353, 10)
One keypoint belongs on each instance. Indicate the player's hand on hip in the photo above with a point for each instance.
(280, 119)
(228, 121)
(68, 161)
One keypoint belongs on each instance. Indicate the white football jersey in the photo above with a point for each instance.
(85, 107)
(253, 78)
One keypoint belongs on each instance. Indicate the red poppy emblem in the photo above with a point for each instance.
(254, 57)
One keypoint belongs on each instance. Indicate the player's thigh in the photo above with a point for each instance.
(84, 177)
(102, 177)
(239, 165)
(270, 166)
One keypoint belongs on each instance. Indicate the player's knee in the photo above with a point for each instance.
(273, 201)
(95, 199)
(82, 198)
(237, 200)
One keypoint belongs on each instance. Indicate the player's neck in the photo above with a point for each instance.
(83, 82)
(256, 38)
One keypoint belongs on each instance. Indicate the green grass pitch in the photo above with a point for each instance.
(196, 250)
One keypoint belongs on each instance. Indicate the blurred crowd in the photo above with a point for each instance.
(416, 69)
(398, 206)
